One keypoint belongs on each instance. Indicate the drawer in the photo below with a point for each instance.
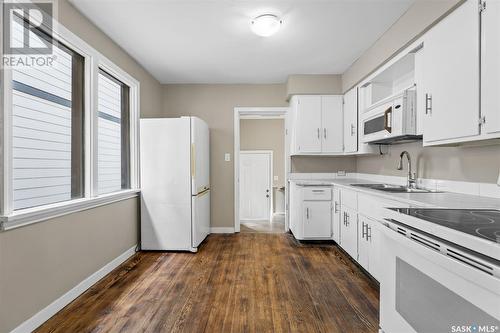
(317, 193)
(350, 199)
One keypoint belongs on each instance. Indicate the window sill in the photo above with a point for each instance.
(38, 214)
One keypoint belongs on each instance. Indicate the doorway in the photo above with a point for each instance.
(261, 164)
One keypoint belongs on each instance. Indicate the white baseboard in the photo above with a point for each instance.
(54, 307)
(222, 230)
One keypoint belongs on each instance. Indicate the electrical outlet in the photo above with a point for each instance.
(276, 178)
(227, 157)
(341, 173)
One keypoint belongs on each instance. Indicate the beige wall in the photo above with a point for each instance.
(323, 164)
(266, 134)
(313, 84)
(215, 104)
(41, 262)
(419, 17)
(472, 164)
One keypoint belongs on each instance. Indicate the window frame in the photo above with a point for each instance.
(93, 60)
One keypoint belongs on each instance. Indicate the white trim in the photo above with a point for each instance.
(222, 230)
(249, 111)
(38, 214)
(271, 177)
(46, 313)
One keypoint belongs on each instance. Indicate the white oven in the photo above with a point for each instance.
(391, 120)
(430, 285)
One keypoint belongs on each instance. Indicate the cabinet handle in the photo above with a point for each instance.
(336, 207)
(428, 103)
(368, 232)
(307, 213)
(344, 218)
(363, 231)
(324, 132)
(347, 223)
(352, 130)
(318, 134)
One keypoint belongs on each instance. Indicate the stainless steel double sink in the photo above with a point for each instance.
(394, 188)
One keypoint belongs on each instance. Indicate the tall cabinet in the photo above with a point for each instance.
(451, 76)
(490, 57)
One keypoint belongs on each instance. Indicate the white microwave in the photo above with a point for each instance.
(391, 121)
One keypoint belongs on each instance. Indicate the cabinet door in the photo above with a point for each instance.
(349, 230)
(308, 126)
(490, 99)
(351, 121)
(451, 76)
(317, 219)
(363, 243)
(337, 220)
(373, 239)
(332, 121)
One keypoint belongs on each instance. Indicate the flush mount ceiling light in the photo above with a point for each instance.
(266, 25)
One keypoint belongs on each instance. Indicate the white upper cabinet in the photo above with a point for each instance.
(316, 125)
(308, 124)
(490, 97)
(351, 121)
(451, 77)
(332, 121)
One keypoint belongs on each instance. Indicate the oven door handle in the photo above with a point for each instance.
(387, 122)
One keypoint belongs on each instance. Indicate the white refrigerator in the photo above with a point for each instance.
(175, 185)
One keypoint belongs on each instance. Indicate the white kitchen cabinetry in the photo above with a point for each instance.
(337, 220)
(351, 121)
(349, 231)
(490, 54)
(451, 77)
(307, 124)
(317, 219)
(317, 125)
(332, 122)
(368, 245)
(311, 212)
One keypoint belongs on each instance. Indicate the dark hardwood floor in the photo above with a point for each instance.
(235, 283)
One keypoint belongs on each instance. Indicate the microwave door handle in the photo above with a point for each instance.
(388, 113)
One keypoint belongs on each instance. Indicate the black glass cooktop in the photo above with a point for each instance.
(482, 223)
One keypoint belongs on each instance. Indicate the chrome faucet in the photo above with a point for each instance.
(411, 180)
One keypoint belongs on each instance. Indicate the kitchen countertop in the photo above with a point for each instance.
(437, 200)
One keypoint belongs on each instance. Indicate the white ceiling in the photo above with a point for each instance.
(209, 41)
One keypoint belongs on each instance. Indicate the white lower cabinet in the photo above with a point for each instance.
(368, 245)
(336, 219)
(317, 219)
(349, 231)
(311, 212)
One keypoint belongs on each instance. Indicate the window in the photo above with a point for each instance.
(68, 132)
(113, 134)
(47, 130)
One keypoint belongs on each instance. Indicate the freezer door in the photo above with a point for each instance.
(201, 217)
(165, 184)
(200, 156)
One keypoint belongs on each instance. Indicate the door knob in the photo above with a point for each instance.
(267, 191)
(267, 195)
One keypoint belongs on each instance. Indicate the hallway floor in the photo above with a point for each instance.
(235, 283)
(276, 226)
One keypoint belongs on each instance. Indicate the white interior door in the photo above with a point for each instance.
(255, 185)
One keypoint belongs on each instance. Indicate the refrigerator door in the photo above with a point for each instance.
(165, 184)
(200, 156)
(201, 217)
